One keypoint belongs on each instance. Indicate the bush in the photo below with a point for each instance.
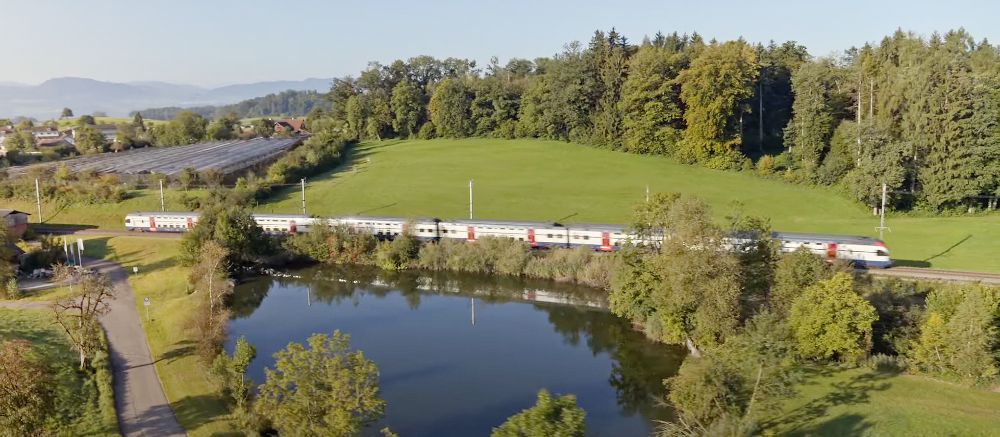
(398, 253)
(765, 165)
(886, 363)
(10, 290)
(427, 131)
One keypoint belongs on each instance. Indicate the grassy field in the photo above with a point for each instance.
(859, 402)
(162, 279)
(104, 216)
(78, 409)
(557, 181)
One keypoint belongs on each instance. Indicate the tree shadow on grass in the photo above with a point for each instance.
(856, 390)
(195, 411)
(842, 425)
(179, 350)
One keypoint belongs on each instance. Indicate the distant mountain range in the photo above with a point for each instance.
(85, 96)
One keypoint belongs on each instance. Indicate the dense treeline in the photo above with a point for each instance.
(752, 320)
(289, 103)
(919, 115)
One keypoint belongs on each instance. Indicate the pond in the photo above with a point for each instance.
(458, 353)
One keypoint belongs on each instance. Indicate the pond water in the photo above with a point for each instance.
(458, 354)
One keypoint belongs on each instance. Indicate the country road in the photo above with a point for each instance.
(140, 403)
(142, 406)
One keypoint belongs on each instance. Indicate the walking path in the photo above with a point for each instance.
(141, 405)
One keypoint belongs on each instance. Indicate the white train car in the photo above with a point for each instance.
(161, 221)
(861, 251)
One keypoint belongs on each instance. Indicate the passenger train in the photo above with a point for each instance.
(861, 251)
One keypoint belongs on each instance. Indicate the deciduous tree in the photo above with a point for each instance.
(831, 321)
(557, 416)
(27, 389)
(323, 389)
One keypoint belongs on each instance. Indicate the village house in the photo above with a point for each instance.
(293, 126)
(17, 221)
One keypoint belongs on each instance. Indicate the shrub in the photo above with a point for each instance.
(427, 131)
(398, 253)
(766, 165)
(887, 363)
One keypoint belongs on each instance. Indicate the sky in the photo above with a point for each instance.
(216, 42)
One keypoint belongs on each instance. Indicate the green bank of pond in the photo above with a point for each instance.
(459, 353)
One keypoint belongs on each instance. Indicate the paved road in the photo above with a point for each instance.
(142, 406)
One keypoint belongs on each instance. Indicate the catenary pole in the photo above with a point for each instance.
(38, 200)
(303, 196)
(881, 224)
(470, 199)
(162, 204)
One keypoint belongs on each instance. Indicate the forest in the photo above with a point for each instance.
(918, 114)
(289, 103)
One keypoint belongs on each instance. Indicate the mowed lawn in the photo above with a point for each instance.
(101, 215)
(860, 402)
(558, 181)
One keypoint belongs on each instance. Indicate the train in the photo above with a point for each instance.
(861, 251)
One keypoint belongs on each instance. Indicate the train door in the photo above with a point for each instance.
(831, 251)
(531, 238)
(471, 233)
(152, 224)
(606, 241)
(292, 228)
(190, 223)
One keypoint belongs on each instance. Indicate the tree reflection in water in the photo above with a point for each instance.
(577, 313)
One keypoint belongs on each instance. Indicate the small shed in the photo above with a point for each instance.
(17, 221)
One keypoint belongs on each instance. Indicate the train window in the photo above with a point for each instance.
(128, 221)
(549, 236)
(881, 253)
(586, 237)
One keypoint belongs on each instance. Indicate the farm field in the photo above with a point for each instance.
(558, 181)
(860, 402)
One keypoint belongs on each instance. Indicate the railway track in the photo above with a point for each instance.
(936, 275)
(897, 272)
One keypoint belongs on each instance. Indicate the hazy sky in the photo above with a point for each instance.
(211, 42)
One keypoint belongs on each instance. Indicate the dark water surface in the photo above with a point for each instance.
(459, 353)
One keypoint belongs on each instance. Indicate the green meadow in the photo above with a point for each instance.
(568, 183)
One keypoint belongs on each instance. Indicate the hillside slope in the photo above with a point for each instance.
(556, 181)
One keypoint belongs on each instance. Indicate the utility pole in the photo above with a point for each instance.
(38, 200)
(881, 223)
(647, 193)
(470, 199)
(473, 311)
(303, 196)
(860, 86)
(162, 205)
